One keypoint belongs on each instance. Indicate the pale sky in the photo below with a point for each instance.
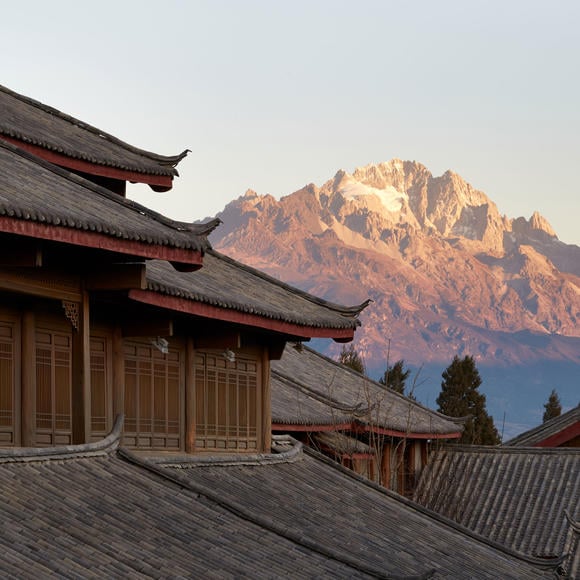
(271, 95)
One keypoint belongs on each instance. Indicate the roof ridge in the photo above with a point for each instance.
(537, 431)
(545, 563)
(347, 311)
(265, 522)
(512, 450)
(166, 160)
(105, 446)
(254, 459)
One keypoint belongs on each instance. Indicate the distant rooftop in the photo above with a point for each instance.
(309, 388)
(517, 496)
(555, 432)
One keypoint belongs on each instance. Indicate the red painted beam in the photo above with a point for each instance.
(157, 182)
(563, 436)
(356, 427)
(312, 428)
(365, 428)
(236, 317)
(100, 241)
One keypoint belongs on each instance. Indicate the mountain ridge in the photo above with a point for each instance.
(421, 247)
(447, 273)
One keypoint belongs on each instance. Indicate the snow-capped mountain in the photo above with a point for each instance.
(447, 273)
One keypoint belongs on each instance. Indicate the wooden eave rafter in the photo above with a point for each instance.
(363, 428)
(158, 183)
(237, 317)
(191, 259)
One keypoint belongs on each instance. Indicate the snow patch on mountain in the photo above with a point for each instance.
(390, 197)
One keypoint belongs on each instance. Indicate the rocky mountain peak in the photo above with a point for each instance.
(433, 252)
(538, 222)
(448, 275)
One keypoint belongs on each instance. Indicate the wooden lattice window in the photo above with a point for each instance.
(9, 354)
(53, 388)
(153, 397)
(226, 401)
(101, 397)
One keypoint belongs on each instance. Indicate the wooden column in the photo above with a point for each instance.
(81, 369)
(28, 380)
(266, 406)
(386, 464)
(118, 373)
(189, 396)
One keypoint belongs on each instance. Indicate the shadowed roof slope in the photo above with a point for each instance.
(323, 505)
(311, 389)
(26, 120)
(42, 200)
(224, 285)
(552, 433)
(96, 510)
(88, 511)
(516, 496)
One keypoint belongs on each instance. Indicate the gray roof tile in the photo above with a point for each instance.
(513, 495)
(325, 505)
(311, 389)
(226, 283)
(36, 191)
(32, 122)
(95, 510)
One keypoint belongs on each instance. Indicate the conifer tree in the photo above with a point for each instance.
(553, 408)
(395, 377)
(351, 358)
(460, 397)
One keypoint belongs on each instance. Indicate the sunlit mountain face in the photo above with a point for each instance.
(447, 273)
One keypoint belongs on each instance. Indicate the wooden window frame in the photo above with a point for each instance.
(218, 383)
(141, 437)
(10, 434)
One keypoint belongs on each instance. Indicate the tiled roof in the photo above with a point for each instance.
(37, 192)
(319, 504)
(294, 405)
(547, 430)
(516, 496)
(86, 513)
(311, 389)
(31, 122)
(228, 284)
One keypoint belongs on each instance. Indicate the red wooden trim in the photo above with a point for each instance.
(236, 317)
(563, 436)
(161, 181)
(100, 241)
(363, 428)
(312, 428)
(356, 455)
(407, 434)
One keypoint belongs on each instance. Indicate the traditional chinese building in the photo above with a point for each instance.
(108, 309)
(362, 424)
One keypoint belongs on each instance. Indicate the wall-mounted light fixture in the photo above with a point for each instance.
(160, 344)
(229, 355)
